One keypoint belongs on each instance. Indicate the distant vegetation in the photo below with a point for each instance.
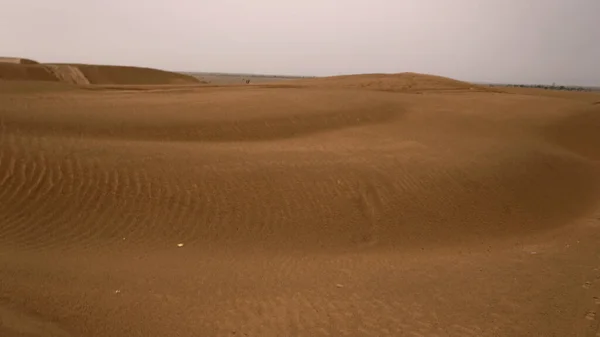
(549, 87)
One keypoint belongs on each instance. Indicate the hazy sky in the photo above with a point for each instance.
(529, 41)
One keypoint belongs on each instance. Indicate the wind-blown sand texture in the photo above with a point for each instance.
(400, 205)
(82, 74)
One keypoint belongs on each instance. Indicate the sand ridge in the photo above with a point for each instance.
(17, 60)
(31, 72)
(401, 82)
(83, 74)
(400, 205)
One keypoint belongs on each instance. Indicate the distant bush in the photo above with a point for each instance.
(548, 87)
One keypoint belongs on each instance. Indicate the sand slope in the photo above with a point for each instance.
(81, 74)
(13, 71)
(68, 74)
(313, 209)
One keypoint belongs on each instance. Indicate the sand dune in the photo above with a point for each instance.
(16, 60)
(101, 74)
(82, 74)
(27, 72)
(324, 207)
(402, 82)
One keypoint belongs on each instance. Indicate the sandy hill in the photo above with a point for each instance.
(28, 72)
(402, 82)
(17, 69)
(16, 60)
(322, 208)
(102, 74)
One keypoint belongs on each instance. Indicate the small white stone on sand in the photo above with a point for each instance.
(117, 291)
(180, 245)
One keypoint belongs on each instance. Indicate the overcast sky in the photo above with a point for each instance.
(526, 41)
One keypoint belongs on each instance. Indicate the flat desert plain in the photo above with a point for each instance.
(371, 205)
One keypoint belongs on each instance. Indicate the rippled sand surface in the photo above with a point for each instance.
(356, 206)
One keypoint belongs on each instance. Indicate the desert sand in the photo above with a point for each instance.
(371, 205)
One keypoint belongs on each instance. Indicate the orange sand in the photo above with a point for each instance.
(372, 205)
